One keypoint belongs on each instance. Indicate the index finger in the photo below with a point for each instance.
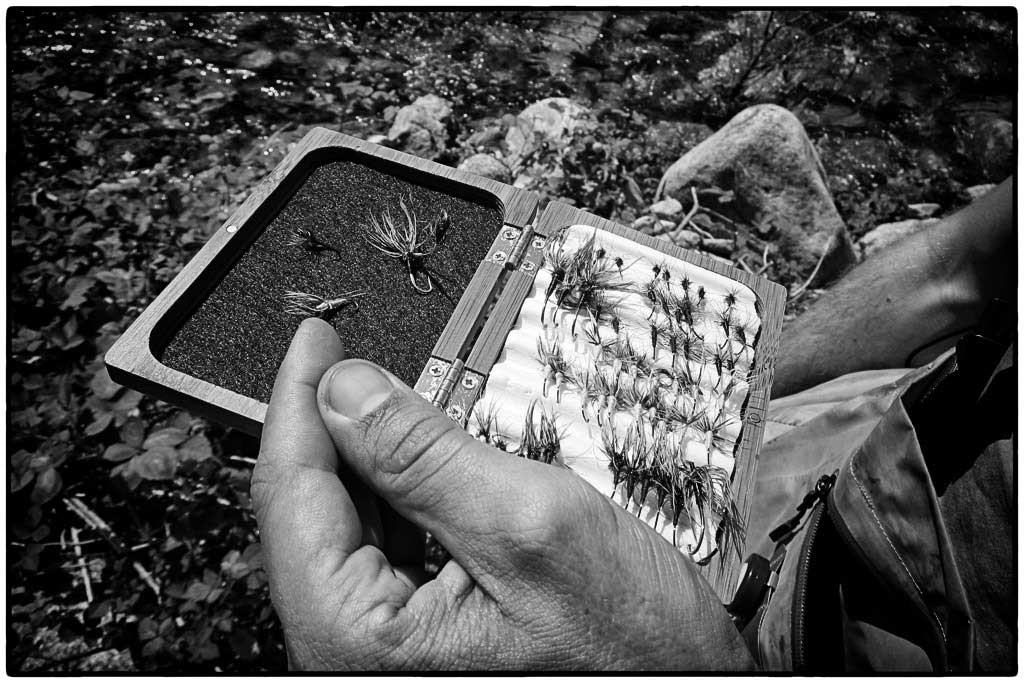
(302, 508)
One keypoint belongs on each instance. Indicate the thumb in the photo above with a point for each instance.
(476, 500)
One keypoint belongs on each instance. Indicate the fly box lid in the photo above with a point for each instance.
(558, 336)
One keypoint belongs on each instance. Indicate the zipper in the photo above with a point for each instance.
(800, 593)
(784, 533)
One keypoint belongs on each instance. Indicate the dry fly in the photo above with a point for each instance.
(301, 303)
(307, 239)
(541, 441)
(407, 241)
(557, 370)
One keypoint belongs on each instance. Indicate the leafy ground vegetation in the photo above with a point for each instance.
(131, 136)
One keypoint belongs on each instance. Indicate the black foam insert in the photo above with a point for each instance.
(238, 335)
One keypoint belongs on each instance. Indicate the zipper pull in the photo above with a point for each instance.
(820, 490)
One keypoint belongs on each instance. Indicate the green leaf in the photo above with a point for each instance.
(153, 647)
(166, 437)
(20, 482)
(134, 432)
(156, 464)
(147, 629)
(197, 591)
(130, 476)
(127, 403)
(99, 424)
(103, 386)
(79, 95)
(21, 459)
(119, 452)
(197, 448)
(77, 287)
(48, 485)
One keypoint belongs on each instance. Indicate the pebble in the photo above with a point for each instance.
(666, 226)
(926, 210)
(979, 191)
(687, 239)
(667, 208)
(644, 223)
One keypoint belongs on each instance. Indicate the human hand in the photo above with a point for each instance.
(546, 573)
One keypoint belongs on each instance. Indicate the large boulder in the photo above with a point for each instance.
(550, 121)
(487, 166)
(421, 127)
(763, 155)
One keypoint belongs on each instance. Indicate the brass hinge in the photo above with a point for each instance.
(519, 248)
(448, 382)
(524, 247)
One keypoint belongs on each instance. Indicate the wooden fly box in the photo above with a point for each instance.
(558, 335)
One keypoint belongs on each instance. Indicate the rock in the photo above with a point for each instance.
(991, 148)
(718, 246)
(257, 59)
(667, 208)
(420, 127)
(645, 223)
(764, 156)
(979, 191)
(923, 210)
(487, 166)
(687, 239)
(676, 137)
(888, 234)
(570, 33)
(486, 138)
(666, 225)
(552, 121)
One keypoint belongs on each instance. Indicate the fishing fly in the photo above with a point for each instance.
(408, 241)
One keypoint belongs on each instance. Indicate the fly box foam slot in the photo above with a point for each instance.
(681, 415)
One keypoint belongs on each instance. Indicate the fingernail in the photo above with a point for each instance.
(356, 387)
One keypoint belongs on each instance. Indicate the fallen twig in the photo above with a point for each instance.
(81, 565)
(765, 263)
(148, 578)
(814, 273)
(94, 521)
(692, 212)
